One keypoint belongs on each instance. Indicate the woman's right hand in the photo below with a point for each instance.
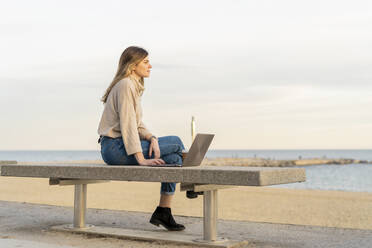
(147, 162)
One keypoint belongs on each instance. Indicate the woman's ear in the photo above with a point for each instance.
(131, 69)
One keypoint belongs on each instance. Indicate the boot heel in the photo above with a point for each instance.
(155, 222)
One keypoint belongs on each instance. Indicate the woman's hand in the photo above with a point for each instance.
(154, 147)
(147, 162)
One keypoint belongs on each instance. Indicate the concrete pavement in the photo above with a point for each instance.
(28, 225)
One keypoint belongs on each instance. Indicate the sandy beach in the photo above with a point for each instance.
(257, 204)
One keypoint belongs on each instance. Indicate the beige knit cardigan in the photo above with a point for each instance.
(122, 115)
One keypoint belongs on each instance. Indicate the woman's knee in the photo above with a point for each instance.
(170, 145)
(175, 140)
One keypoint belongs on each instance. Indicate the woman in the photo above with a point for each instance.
(124, 138)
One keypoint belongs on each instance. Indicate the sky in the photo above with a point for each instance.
(258, 74)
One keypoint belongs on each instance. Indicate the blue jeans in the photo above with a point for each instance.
(113, 153)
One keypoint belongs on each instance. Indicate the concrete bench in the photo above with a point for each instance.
(208, 179)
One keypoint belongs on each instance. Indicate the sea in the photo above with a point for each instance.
(350, 177)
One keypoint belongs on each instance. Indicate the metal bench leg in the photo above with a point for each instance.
(80, 205)
(210, 215)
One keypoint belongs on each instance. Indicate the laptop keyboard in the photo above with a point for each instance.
(166, 165)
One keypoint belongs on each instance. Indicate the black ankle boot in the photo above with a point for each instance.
(163, 216)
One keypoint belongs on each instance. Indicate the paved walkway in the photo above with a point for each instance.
(27, 225)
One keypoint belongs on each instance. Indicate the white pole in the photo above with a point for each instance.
(193, 128)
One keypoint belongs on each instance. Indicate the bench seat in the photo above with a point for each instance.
(221, 175)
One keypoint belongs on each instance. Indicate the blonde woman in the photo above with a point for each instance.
(124, 138)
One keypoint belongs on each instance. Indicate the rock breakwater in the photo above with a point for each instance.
(261, 162)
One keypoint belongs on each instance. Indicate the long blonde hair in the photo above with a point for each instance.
(131, 56)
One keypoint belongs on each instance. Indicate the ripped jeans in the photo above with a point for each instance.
(113, 153)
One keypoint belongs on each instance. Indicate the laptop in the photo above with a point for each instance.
(196, 153)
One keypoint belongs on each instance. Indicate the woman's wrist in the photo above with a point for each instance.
(139, 157)
(153, 137)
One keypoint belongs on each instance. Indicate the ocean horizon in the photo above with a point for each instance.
(289, 154)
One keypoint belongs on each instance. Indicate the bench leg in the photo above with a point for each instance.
(210, 215)
(80, 205)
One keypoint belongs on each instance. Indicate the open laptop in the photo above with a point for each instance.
(196, 153)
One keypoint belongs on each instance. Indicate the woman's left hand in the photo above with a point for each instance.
(154, 147)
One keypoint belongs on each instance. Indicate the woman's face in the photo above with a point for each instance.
(142, 69)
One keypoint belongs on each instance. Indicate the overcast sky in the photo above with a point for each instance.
(259, 74)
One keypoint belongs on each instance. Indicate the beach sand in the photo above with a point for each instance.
(257, 204)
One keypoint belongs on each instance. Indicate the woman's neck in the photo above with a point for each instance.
(135, 76)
